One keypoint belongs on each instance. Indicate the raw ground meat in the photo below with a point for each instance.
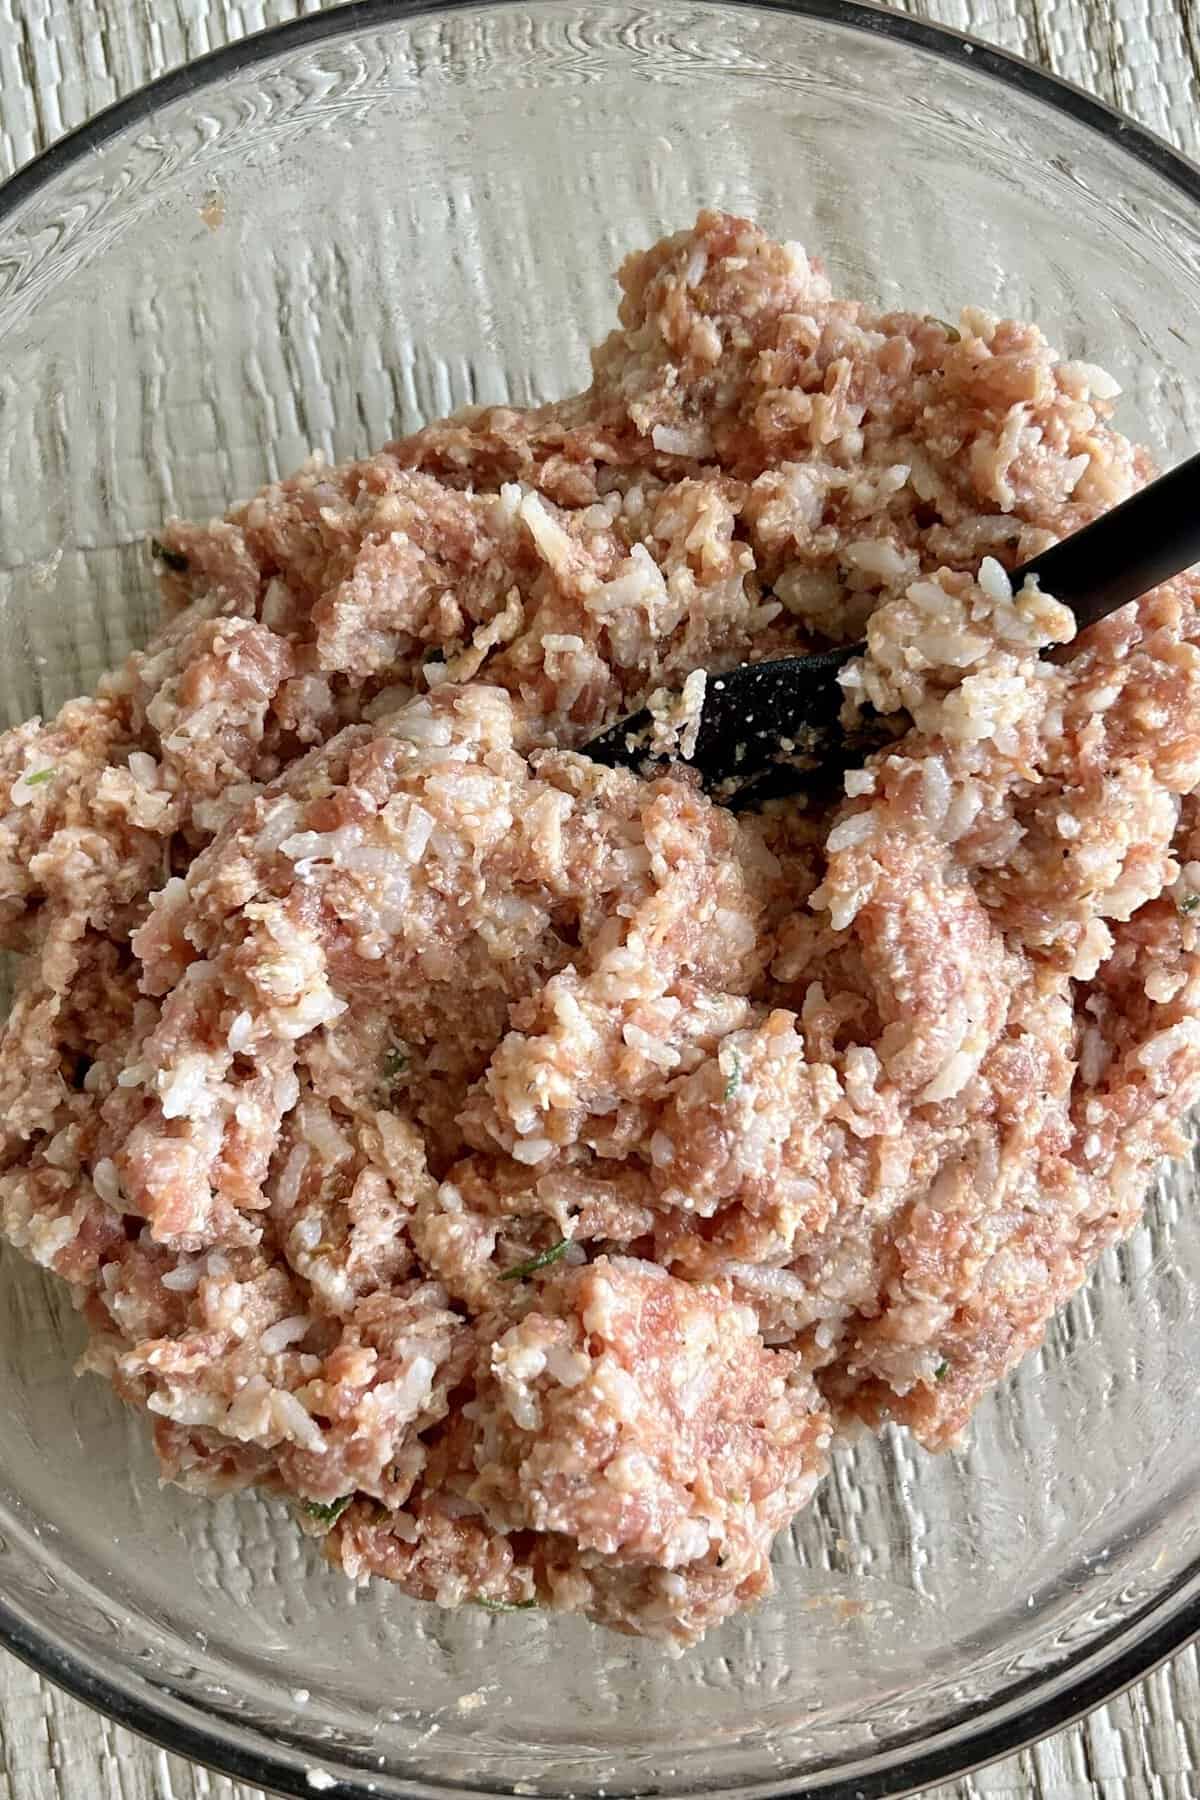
(531, 1168)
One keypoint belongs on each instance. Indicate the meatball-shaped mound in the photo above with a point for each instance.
(643, 1418)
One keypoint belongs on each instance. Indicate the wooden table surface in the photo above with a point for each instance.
(60, 60)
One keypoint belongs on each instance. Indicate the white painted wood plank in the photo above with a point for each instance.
(60, 60)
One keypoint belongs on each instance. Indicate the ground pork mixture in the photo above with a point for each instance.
(532, 1168)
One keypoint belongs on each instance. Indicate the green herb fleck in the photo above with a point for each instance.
(174, 560)
(541, 1261)
(503, 1606)
(942, 1370)
(1190, 904)
(395, 1062)
(42, 775)
(327, 1514)
(733, 1080)
(951, 331)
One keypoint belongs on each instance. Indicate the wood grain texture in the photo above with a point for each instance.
(61, 60)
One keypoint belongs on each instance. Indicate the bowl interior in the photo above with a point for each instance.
(321, 245)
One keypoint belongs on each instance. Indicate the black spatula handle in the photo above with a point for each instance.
(1124, 553)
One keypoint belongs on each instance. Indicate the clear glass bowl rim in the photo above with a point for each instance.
(207, 1742)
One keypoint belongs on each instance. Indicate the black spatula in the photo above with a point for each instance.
(769, 726)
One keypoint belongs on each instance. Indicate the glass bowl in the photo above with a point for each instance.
(321, 237)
